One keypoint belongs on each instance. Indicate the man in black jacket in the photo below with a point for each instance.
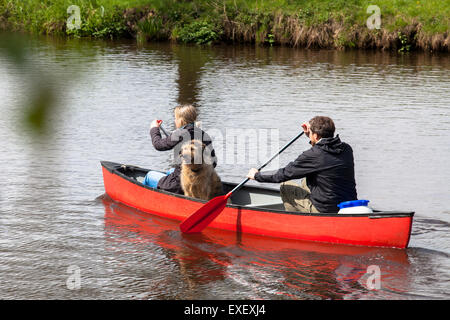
(328, 168)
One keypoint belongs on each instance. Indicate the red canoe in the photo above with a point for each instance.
(259, 211)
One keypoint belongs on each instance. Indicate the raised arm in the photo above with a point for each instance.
(163, 144)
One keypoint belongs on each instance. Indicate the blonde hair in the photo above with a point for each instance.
(186, 113)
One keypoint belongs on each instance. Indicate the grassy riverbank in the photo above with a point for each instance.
(405, 25)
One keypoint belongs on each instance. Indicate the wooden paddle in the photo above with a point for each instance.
(208, 212)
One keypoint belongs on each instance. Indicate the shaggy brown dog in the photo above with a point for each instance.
(198, 178)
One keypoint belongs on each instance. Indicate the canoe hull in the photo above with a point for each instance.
(379, 230)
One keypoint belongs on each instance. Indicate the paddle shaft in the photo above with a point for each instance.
(268, 161)
(162, 129)
(208, 212)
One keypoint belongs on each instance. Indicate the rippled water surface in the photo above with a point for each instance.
(393, 109)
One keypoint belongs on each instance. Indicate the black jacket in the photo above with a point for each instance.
(329, 170)
(175, 141)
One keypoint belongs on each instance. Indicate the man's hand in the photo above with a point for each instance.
(251, 173)
(155, 124)
(306, 128)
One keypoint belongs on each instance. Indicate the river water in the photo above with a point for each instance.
(62, 238)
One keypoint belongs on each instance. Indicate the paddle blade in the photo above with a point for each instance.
(201, 218)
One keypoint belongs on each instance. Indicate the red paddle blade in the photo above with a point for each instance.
(201, 218)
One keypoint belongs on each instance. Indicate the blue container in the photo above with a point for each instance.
(353, 203)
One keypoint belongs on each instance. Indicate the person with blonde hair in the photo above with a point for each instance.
(186, 131)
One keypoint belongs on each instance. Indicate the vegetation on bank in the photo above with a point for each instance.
(404, 24)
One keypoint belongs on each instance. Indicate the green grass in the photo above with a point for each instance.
(203, 22)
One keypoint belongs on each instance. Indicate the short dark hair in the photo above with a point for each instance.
(322, 126)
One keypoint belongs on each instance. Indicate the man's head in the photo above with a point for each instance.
(320, 127)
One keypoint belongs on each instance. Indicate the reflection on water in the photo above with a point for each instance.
(190, 63)
(223, 264)
(393, 110)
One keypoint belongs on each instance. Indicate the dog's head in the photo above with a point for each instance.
(192, 155)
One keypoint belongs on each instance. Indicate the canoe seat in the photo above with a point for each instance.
(256, 197)
(271, 205)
